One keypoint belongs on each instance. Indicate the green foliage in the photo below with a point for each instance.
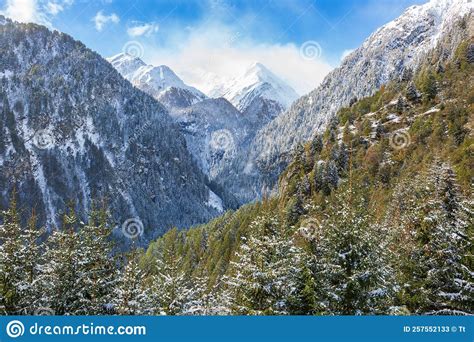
(428, 84)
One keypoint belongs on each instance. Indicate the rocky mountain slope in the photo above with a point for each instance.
(160, 81)
(71, 128)
(395, 48)
(214, 131)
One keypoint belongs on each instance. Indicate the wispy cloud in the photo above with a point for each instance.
(217, 49)
(36, 11)
(101, 19)
(138, 29)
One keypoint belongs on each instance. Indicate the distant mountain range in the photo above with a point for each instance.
(233, 111)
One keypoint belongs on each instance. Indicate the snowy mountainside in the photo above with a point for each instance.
(72, 129)
(397, 46)
(216, 133)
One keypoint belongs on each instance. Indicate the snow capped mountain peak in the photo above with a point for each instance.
(155, 80)
(126, 64)
(123, 57)
(256, 81)
(257, 69)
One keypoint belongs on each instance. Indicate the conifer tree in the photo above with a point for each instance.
(97, 269)
(318, 174)
(198, 297)
(342, 159)
(11, 262)
(355, 260)
(317, 145)
(203, 300)
(263, 276)
(294, 209)
(429, 86)
(171, 289)
(307, 297)
(59, 274)
(129, 296)
(30, 255)
(412, 93)
(448, 216)
(330, 178)
(432, 219)
(400, 105)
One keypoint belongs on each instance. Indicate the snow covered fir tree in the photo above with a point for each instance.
(370, 215)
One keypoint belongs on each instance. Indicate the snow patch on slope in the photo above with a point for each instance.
(215, 201)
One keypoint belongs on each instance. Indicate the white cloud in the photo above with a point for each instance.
(36, 11)
(54, 7)
(22, 10)
(346, 53)
(216, 49)
(100, 20)
(142, 29)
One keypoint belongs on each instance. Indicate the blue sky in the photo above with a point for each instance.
(207, 39)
